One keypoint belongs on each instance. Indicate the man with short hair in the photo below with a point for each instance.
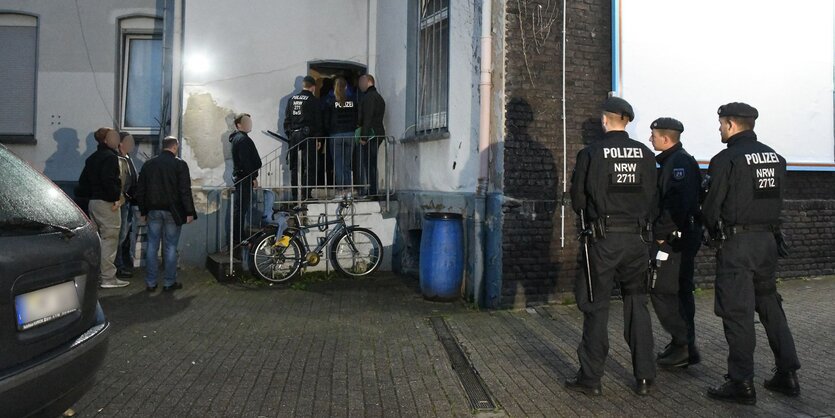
(614, 188)
(165, 200)
(677, 233)
(246, 162)
(101, 182)
(372, 110)
(302, 120)
(742, 213)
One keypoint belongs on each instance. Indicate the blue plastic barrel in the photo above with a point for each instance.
(442, 256)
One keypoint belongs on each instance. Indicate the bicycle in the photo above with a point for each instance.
(354, 251)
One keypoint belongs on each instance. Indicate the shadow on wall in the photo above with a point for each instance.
(68, 161)
(531, 225)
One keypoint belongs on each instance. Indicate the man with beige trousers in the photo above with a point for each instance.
(102, 181)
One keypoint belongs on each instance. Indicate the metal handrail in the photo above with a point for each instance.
(274, 162)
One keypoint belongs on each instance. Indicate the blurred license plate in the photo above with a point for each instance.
(44, 305)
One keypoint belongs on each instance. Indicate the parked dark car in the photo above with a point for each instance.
(53, 332)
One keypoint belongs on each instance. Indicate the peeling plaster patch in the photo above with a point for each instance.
(206, 127)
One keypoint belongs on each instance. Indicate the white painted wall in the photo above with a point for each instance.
(247, 58)
(428, 166)
(75, 94)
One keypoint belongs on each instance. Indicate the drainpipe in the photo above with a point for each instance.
(485, 92)
(564, 135)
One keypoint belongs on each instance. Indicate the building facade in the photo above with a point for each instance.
(172, 67)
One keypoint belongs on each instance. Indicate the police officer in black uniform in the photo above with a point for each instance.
(678, 235)
(614, 185)
(742, 213)
(303, 119)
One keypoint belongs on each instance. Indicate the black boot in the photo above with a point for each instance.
(576, 385)
(667, 350)
(643, 386)
(739, 391)
(695, 357)
(675, 356)
(783, 382)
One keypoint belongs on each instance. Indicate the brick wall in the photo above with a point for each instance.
(808, 214)
(536, 268)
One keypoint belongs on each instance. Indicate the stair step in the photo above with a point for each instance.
(218, 266)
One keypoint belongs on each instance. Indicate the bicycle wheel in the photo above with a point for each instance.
(276, 263)
(357, 252)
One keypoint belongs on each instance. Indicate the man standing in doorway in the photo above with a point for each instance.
(742, 213)
(302, 120)
(164, 197)
(245, 162)
(614, 188)
(678, 233)
(372, 110)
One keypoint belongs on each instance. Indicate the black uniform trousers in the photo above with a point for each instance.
(304, 168)
(672, 295)
(622, 258)
(745, 282)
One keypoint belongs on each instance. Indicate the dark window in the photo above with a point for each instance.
(18, 69)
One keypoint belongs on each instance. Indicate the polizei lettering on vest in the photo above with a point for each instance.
(762, 158)
(623, 153)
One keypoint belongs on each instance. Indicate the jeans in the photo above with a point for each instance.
(243, 207)
(161, 225)
(342, 149)
(123, 261)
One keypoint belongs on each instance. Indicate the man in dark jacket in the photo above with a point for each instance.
(372, 109)
(302, 120)
(164, 197)
(246, 162)
(741, 211)
(677, 240)
(613, 188)
(101, 183)
(124, 256)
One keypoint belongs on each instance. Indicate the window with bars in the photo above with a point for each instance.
(432, 67)
(18, 73)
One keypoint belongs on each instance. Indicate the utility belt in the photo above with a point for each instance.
(741, 229)
(722, 233)
(611, 225)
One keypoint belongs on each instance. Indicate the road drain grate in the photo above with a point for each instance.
(474, 387)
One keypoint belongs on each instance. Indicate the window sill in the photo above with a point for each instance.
(434, 136)
(18, 139)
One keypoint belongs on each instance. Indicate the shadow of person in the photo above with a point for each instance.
(531, 188)
(67, 162)
(91, 146)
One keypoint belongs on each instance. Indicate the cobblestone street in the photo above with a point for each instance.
(366, 348)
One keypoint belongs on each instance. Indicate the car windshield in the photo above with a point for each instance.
(30, 203)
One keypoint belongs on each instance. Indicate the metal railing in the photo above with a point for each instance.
(314, 170)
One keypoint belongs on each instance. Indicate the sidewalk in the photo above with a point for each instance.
(366, 348)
